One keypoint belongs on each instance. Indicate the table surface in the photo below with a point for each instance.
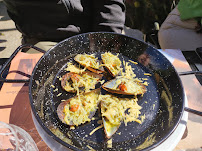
(14, 94)
(192, 139)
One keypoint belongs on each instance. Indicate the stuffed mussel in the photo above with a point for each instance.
(112, 114)
(112, 63)
(83, 82)
(79, 109)
(116, 110)
(90, 62)
(125, 86)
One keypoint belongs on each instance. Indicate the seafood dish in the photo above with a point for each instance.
(114, 110)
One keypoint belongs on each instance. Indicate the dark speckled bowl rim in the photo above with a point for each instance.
(75, 148)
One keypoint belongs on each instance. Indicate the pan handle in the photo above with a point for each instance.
(193, 111)
(190, 72)
(7, 63)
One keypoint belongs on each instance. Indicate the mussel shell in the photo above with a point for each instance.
(95, 75)
(111, 73)
(108, 68)
(67, 76)
(99, 70)
(108, 86)
(65, 79)
(109, 128)
(60, 108)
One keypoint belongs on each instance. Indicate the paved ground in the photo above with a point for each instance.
(10, 38)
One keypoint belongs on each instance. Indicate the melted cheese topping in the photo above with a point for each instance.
(79, 109)
(132, 86)
(128, 78)
(133, 62)
(85, 80)
(88, 60)
(111, 109)
(89, 82)
(109, 143)
(129, 74)
(114, 109)
(74, 68)
(91, 149)
(94, 130)
(112, 62)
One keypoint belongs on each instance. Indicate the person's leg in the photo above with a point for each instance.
(177, 34)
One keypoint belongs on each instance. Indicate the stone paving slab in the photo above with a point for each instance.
(10, 38)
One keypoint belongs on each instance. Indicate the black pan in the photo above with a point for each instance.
(163, 103)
